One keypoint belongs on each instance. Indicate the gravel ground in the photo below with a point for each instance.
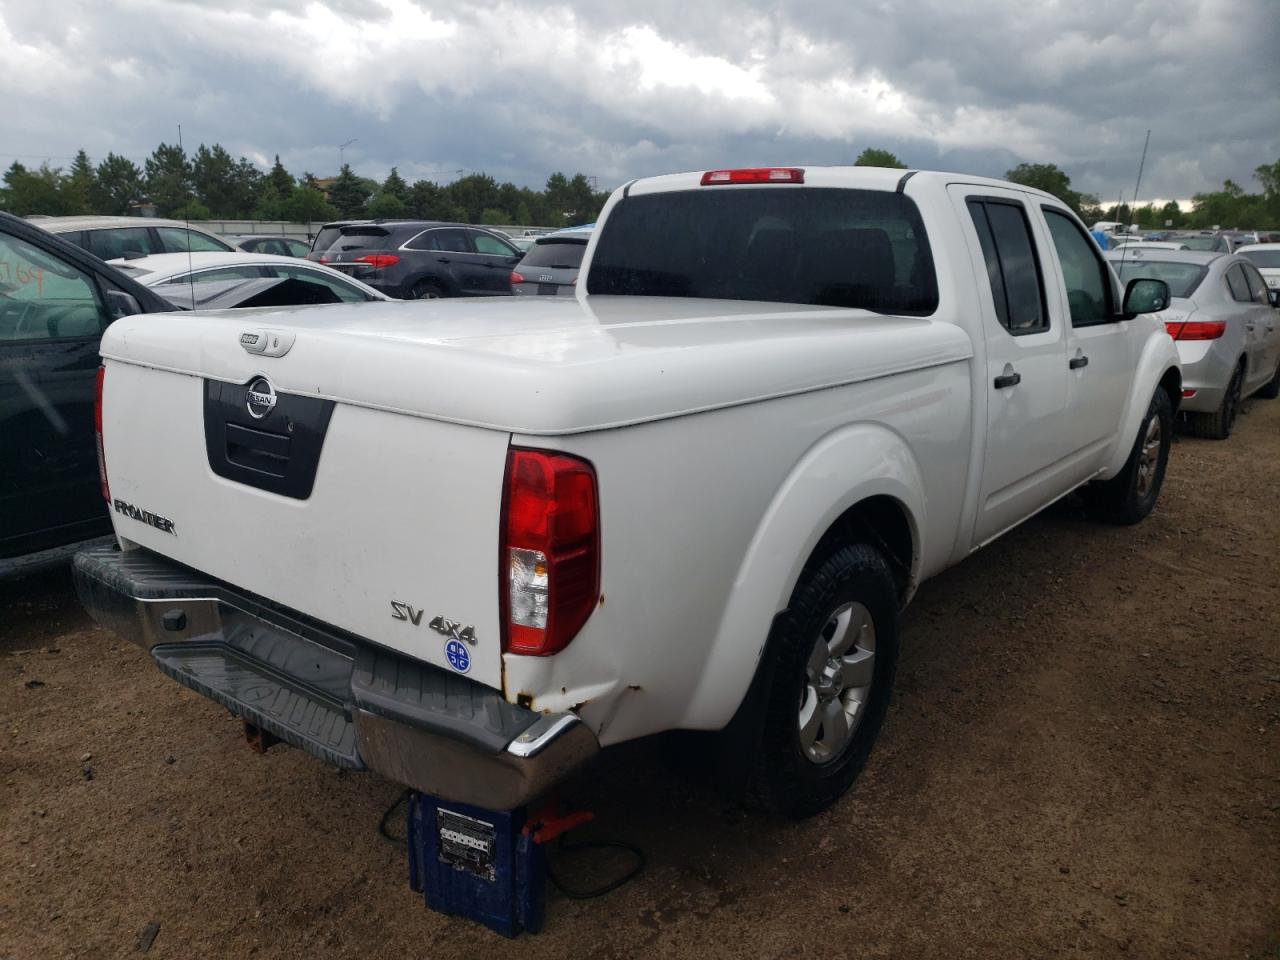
(1080, 760)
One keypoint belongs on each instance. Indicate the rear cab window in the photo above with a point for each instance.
(1013, 268)
(833, 247)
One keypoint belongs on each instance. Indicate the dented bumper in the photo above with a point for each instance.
(336, 696)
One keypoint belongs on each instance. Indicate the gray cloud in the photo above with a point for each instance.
(521, 89)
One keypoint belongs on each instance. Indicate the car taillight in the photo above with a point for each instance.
(322, 259)
(753, 175)
(379, 260)
(550, 550)
(1197, 329)
(97, 432)
(516, 277)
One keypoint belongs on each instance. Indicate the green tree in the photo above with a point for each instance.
(271, 205)
(473, 193)
(168, 178)
(875, 157)
(1171, 215)
(193, 209)
(280, 179)
(308, 205)
(386, 204)
(395, 185)
(214, 181)
(522, 215)
(78, 188)
(348, 194)
(34, 191)
(492, 216)
(1050, 179)
(119, 185)
(427, 201)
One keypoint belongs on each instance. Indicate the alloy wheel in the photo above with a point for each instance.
(838, 679)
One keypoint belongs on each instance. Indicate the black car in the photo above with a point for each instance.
(55, 301)
(421, 259)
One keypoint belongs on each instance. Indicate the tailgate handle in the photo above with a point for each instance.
(258, 450)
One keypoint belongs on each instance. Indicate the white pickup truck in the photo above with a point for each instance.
(466, 544)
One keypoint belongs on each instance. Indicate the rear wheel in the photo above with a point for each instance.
(426, 290)
(832, 659)
(1131, 494)
(1217, 425)
(1272, 389)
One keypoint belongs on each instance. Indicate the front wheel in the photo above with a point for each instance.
(1131, 494)
(832, 659)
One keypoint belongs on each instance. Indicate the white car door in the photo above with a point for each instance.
(1026, 363)
(1101, 346)
(1266, 324)
(1256, 319)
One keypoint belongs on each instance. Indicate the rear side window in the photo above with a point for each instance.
(180, 240)
(1086, 276)
(1012, 266)
(344, 291)
(1238, 285)
(120, 242)
(557, 254)
(446, 239)
(830, 247)
(1257, 286)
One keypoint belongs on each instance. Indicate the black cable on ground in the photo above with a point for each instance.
(589, 894)
(402, 842)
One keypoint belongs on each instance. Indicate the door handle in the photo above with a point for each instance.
(1075, 363)
(1008, 380)
(443, 259)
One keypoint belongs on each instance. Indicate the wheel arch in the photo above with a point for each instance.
(1157, 366)
(858, 484)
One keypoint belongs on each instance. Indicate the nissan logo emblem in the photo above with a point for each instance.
(260, 398)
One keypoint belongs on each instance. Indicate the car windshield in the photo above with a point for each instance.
(561, 254)
(1182, 278)
(1266, 259)
(831, 247)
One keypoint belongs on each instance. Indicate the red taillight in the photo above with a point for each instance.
(550, 550)
(322, 259)
(516, 277)
(753, 175)
(1197, 329)
(379, 260)
(97, 432)
(1188, 394)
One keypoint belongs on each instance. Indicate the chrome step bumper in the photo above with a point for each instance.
(334, 695)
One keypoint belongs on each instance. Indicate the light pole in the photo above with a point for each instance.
(342, 149)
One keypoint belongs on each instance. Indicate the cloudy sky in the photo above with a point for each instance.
(617, 89)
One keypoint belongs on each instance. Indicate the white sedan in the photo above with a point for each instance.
(167, 269)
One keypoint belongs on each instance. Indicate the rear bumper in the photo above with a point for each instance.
(333, 695)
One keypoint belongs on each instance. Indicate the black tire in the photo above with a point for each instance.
(1217, 425)
(785, 780)
(1131, 494)
(1272, 389)
(426, 290)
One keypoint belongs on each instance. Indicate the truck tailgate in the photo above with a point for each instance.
(376, 522)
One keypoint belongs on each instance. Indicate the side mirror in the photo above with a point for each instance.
(1274, 297)
(1145, 295)
(122, 304)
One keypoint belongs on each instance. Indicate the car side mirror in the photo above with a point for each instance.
(1145, 295)
(1274, 297)
(122, 304)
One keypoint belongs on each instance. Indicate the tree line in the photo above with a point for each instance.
(213, 185)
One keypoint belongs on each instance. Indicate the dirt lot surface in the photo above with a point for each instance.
(1081, 760)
